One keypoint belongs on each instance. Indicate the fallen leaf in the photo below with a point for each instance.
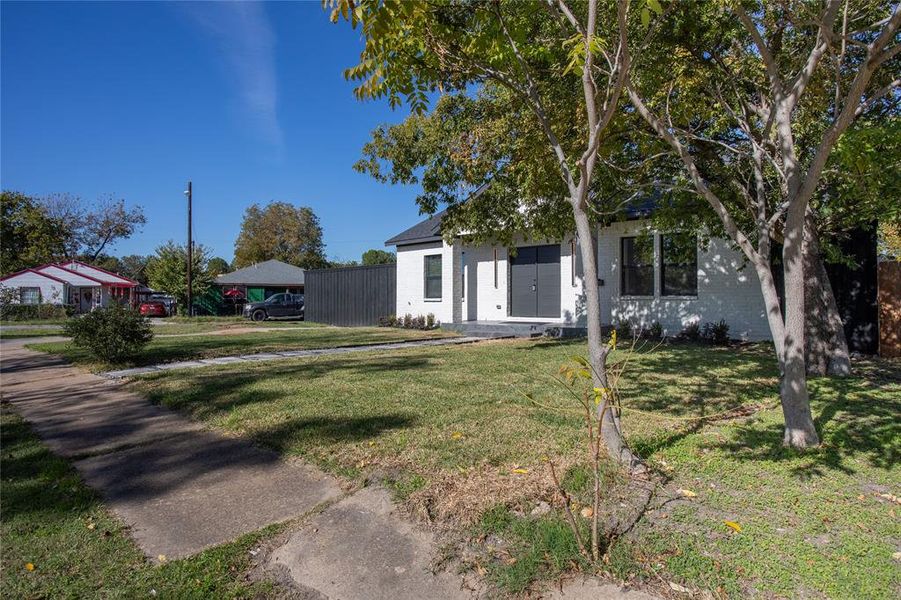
(733, 525)
(29, 567)
(457, 435)
(161, 558)
(891, 498)
(679, 588)
(587, 512)
(91, 526)
(686, 493)
(897, 556)
(521, 471)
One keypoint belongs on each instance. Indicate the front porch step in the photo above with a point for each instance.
(507, 329)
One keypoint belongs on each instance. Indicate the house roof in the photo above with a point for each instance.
(98, 273)
(35, 272)
(429, 230)
(69, 276)
(424, 231)
(270, 272)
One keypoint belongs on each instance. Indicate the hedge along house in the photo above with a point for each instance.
(75, 283)
(261, 280)
(644, 277)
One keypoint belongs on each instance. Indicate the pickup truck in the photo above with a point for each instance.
(275, 307)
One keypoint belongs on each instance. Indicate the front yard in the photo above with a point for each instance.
(197, 340)
(452, 431)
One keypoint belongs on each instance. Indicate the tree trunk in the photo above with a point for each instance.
(611, 430)
(799, 428)
(771, 304)
(826, 346)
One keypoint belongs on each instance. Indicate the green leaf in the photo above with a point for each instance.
(655, 6)
(645, 17)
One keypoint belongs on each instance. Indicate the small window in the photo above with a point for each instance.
(637, 254)
(679, 265)
(432, 265)
(463, 275)
(30, 295)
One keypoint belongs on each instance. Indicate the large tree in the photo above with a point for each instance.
(135, 267)
(93, 227)
(378, 257)
(744, 80)
(28, 235)
(167, 271)
(282, 231)
(563, 68)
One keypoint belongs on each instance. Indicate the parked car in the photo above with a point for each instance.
(167, 300)
(274, 307)
(154, 308)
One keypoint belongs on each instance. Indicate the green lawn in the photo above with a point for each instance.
(179, 325)
(51, 521)
(447, 426)
(170, 349)
(12, 334)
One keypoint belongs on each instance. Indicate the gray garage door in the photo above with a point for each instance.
(535, 282)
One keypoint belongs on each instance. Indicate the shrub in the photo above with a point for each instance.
(692, 332)
(430, 322)
(408, 321)
(389, 321)
(35, 312)
(111, 334)
(716, 333)
(623, 330)
(655, 331)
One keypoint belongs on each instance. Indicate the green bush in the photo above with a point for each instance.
(111, 334)
(716, 333)
(34, 312)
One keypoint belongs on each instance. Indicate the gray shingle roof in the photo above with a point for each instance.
(430, 229)
(270, 272)
(424, 231)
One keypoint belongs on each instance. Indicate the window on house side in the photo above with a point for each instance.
(495, 268)
(432, 268)
(572, 263)
(637, 260)
(463, 275)
(30, 295)
(679, 265)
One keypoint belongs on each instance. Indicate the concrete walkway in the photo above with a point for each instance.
(179, 487)
(226, 360)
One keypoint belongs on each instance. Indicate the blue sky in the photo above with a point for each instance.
(247, 100)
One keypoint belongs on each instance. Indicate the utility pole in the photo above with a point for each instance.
(190, 249)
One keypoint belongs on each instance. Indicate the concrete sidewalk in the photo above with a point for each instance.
(225, 360)
(179, 487)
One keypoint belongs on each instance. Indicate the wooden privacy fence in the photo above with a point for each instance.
(890, 309)
(350, 295)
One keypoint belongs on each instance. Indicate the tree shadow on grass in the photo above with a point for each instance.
(857, 419)
(215, 392)
(327, 431)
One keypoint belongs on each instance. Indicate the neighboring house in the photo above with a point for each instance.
(75, 283)
(261, 280)
(643, 277)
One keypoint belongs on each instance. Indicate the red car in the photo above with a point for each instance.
(153, 309)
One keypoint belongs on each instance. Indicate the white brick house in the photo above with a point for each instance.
(644, 277)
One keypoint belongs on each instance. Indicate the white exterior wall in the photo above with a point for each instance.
(411, 281)
(727, 289)
(52, 292)
(482, 300)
